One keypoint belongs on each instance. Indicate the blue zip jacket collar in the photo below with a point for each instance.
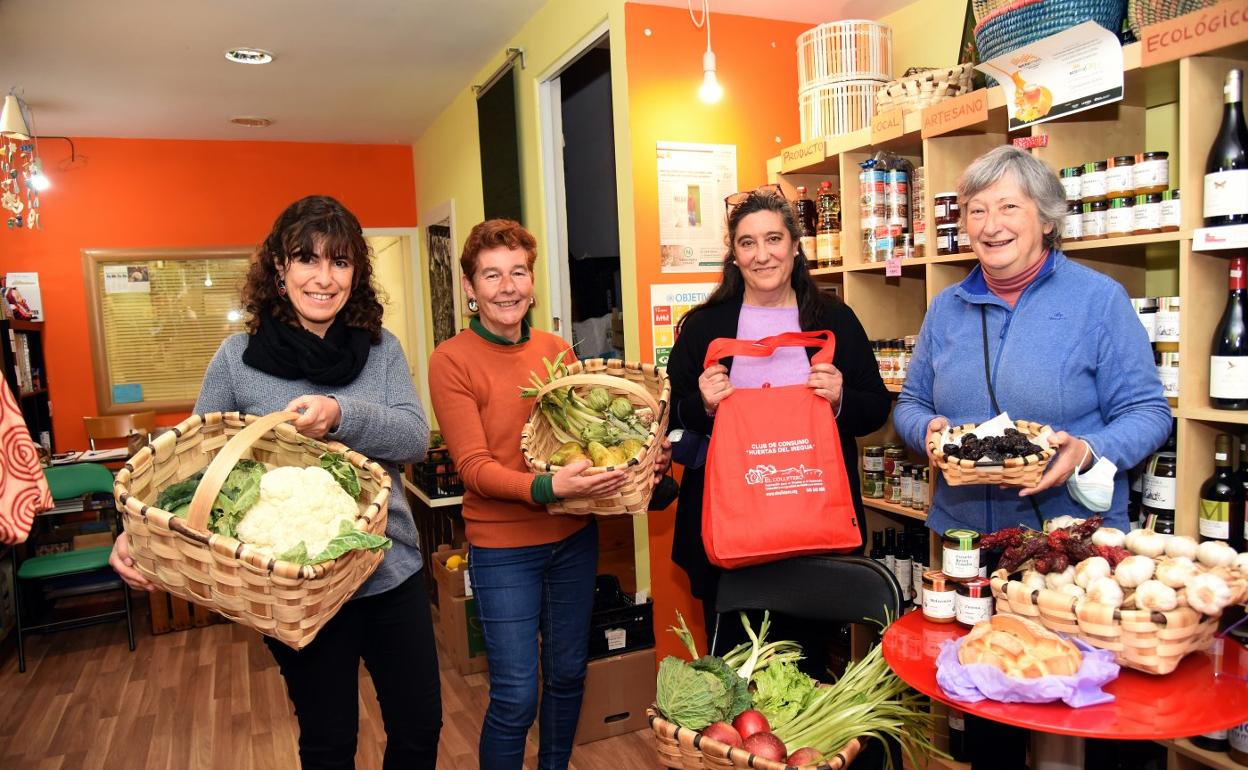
(974, 288)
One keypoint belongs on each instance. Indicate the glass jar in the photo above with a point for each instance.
(892, 456)
(1072, 223)
(939, 597)
(1239, 744)
(1167, 324)
(905, 481)
(1092, 181)
(1146, 311)
(873, 459)
(1118, 179)
(1168, 371)
(964, 240)
(946, 209)
(1120, 218)
(1071, 182)
(1159, 491)
(873, 485)
(961, 553)
(1171, 211)
(973, 601)
(1094, 215)
(918, 489)
(1151, 172)
(946, 239)
(1147, 215)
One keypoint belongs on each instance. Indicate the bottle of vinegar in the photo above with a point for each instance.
(1226, 170)
(1228, 359)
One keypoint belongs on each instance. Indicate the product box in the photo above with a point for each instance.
(459, 633)
(450, 582)
(617, 691)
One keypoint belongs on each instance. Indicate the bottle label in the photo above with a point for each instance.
(1093, 224)
(1215, 520)
(1167, 326)
(957, 721)
(902, 571)
(1239, 738)
(1146, 216)
(1072, 227)
(1226, 193)
(1151, 173)
(1159, 492)
(1217, 735)
(1171, 213)
(1169, 380)
(1119, 221)
(960, 564)
(1228, 377)
(1092, 184)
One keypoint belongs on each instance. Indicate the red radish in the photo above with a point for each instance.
(723, 732)
(805, 756)
(765, 745)
(749, 722)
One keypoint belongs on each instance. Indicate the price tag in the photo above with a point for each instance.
(952, 114)
(467, 582)
(1030, 142)
(616, 638)
(887, 125)
(892, 267)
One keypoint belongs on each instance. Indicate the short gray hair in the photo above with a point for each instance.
(1037, 180)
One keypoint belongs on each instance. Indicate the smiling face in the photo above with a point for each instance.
(1004, 225)
(764, 251)
(318, 285)
(503, 288)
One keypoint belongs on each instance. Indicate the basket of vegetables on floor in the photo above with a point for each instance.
(753, 708)
(611, 412)
(246, 516)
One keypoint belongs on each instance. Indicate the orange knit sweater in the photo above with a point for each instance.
(474, 384)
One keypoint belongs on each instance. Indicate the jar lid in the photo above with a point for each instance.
(1145, 304)
(947, 195)
(1123, 160)
(951, 226)
(1154, 155)
(1098, 165)
(963, 539)
(1095, 206)
(1170, 195)
(1121, 203)
(938, 580)
(975, 587)
(1071, 171)
(1073, 207)
(873, 450)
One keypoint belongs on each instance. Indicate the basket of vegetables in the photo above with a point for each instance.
(1017, 457)
(610, 412)
(245, 516)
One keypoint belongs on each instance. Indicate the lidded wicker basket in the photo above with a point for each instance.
(1013, 471)
(925, 87)
(289, 602)
(686, 749)
(645, 386)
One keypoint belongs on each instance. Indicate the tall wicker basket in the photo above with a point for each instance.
(645, 386)
(287, 601)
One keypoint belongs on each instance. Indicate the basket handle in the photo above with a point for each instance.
(598, 379)
(223, 463)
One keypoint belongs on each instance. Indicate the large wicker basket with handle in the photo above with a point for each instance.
(687, 749)
(647, 387)
(287, 601)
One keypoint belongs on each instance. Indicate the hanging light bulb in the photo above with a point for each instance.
(37, 180)
(711, 91)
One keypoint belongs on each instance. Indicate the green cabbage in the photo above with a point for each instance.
(781, 691)
(736, 689)
(687, 696)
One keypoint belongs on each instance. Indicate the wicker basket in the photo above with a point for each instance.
(837, 108)
(686, 749)
(925, 88)
(289, 602)
(646, 386)
(851, 49)
(1004, 26)
(1014, 471)
(1141, 13)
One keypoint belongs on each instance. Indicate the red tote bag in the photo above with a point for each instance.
(776, 483)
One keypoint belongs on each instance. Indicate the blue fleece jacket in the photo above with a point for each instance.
(1070, 354)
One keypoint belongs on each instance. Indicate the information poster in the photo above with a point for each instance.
(127, 279)
(668, 304)
(694, 179)
(1072, 71)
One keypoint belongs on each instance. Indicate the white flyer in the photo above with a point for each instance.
(694, 179)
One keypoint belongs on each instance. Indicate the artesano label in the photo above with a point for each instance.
(952, 114)
(1204, 30)
(804, 154)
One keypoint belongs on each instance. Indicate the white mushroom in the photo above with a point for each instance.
(1156, 595)
(1177, 572)
(1056, 580)
(1208, 594)
(1071, 589)
(1090, 569)
(1108, 537)
(1181, 545)
(1134, 570)
(1033, 580)
(1215, 553)
(1105, 591)
(1146, 542)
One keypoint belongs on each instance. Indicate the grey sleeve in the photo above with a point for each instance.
(216, 394)
(395, 431)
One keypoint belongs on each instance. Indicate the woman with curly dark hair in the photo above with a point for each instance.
(314, 344)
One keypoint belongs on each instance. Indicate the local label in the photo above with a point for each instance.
(887, 125)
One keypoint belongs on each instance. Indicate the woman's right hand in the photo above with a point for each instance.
(934, 428)
(120, 561)
(570, 483)
(714, 386)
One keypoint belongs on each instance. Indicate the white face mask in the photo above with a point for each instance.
(1094, 488)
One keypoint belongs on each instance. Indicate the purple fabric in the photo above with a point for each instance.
(787, 366)
(980, 681)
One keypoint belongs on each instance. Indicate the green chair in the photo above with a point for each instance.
(69, 483)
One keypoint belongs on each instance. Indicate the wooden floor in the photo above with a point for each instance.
(207, 698)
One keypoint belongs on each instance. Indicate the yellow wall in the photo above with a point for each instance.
(926, 33)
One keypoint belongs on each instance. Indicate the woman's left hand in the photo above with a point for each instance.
(319, 415)
(826, 380)
(1070, 452)
(664, 460)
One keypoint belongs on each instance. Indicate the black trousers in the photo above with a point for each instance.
(392, 633)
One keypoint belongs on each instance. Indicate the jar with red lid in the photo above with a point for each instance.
(946, 208)
(973, 601)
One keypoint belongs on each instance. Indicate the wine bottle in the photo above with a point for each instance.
(902, 565)
(957, 736)
(1228, 359)
(1218, 740)
(1158, 487)
(1226, 170)
(877, 546)
(1222, 498)
(890, 549)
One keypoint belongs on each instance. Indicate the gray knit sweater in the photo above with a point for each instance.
(381, 418)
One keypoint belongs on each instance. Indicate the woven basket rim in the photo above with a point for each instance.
(1024, 426)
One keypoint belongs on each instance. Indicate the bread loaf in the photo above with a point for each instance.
(1021, 648)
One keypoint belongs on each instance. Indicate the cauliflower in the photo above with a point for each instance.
(297, 505)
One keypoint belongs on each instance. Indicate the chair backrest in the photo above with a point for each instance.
(119, 426)
(78, 479)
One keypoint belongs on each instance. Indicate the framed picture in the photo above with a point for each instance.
(445, 305)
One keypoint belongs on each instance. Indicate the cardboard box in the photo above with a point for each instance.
(617, 691)
(450, 582)
(459, 633)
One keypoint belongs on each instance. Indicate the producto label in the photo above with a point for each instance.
(1228, 377)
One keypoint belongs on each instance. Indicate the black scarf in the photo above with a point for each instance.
(291, 353)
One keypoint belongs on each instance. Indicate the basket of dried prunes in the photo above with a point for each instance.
(1016, 456)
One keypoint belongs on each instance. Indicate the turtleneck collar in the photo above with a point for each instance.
(1009, 289)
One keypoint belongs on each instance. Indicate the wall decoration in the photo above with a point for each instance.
(694, 179)
(444, 283)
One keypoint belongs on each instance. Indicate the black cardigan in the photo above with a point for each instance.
(865, 405)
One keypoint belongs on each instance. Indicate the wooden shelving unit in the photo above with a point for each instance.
(895, 510)
(1185, 756)
(35, 403)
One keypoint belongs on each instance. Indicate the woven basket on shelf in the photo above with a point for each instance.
(686, 749)
(925, 88)
(1141, 13)
(1144, 640)
(287, 601)
(1014, 471)
(1004, 26)
(646, 386)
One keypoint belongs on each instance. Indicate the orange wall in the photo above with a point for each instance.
(757, 66)
(141, 193)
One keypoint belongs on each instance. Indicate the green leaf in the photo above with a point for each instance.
(349, 539)
(240, 491)
(686, 696)
(343, 472)
(298, 554)
(736, 690)
(781, 691)
(178, 495)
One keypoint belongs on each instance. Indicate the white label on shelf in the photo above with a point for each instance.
(616, 638)
(970, 610)
(1120, 220)
(1092, 184)
(1073, 188)
(1072, 227)
(1118, 179)
(1149, 322)
(960, 564)
(1228, 377)
(1226, 193)
(1093, 224)
(1146, 216)
(1159, 492)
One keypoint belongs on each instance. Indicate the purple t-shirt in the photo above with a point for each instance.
(787, 366)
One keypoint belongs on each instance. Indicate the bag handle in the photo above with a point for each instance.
(723, 347)
(223, 463)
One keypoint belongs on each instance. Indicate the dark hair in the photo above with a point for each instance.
(495, 233)
(294, 233)
(732, 286)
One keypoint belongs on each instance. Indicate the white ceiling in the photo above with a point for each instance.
(369, 71)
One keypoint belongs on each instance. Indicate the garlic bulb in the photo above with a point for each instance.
(1146, 542)
(1071, 589)
(1208, 594)
(1241, 562)
(1090, 569)
(1059, 522)
(1134, 570)
(1105, 591)
(1033, 580)
(1181, 545)
(1177, 572)
(1056, 580)
(1108, 537)
(1156, 595)
(1215, 553)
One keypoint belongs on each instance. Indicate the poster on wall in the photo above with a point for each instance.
(127, 279)
(694, 179)
(443, 282)
(668, 304)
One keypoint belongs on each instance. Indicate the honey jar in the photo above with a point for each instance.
(1151, 172)
(1118, 179)
(939, 597)
(960, 558)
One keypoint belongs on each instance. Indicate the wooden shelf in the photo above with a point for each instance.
(895, 509)
(1130, 240)
(1209, 414)
(1212, 759)
(893, 388)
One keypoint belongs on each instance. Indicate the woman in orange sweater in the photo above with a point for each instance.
(530, 570)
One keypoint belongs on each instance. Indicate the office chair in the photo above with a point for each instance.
(119, 427)
(64, 572)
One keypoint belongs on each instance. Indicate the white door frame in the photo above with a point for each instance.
(414, 307)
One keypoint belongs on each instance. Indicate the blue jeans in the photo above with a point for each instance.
(521, 591)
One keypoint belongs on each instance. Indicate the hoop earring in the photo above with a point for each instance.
(472, 305)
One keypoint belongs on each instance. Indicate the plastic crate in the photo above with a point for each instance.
(618, 625)
(436, 475)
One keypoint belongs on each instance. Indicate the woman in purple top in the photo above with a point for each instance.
(766, 289)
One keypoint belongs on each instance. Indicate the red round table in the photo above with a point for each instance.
(1205, 693)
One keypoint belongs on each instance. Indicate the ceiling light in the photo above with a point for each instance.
(249, 56)
(711, 91)
(37, 180)
(251, 122)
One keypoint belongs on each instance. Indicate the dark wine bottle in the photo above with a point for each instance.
(1228, 359)
(1222, 498)
(877, 546)
(1218, 740)
(890, 549)
(1226, 170)
(903, 565)
(957, 736)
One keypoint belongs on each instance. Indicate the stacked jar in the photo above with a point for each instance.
(1160, 318)
(888, 474)
(893, 358)
(1120, 196)
(918, 213)
(885, 210)
(959, 591)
